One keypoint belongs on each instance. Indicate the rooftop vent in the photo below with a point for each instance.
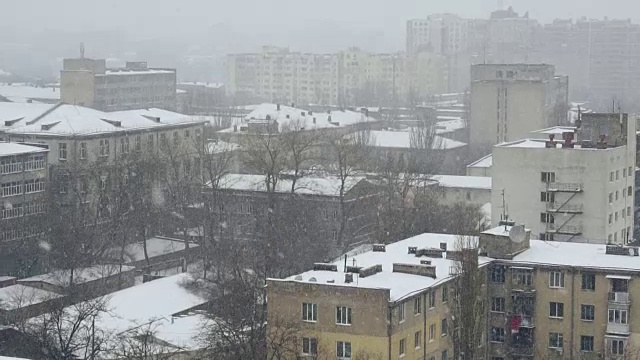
(443, 246)
(293, 105)
(153, 118)
(268, 117)
(602, 143)
(413, 269)
(379, 248)
(622, 250)
(313, 279)
(49, 126)
(432, 253)
(298, 278)
(371, 270)
(302, 113)
(567, 136)
(550, 144)
(11, 122)
(331, 281)
(325, 267)
(348, 278)
(353, 269)
(412, 249)
(278, 107)
(425, 262)
(115, 123)
(288, 117)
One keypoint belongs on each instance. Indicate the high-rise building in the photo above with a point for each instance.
(510, 100)
(568, 190)
(88, 82)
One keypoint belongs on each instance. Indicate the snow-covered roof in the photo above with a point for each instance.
(9, 149)
(295, 120)
(524, 143)
(135, 72)
(308, 185)
(156, 246)
(555, 130)
(11, 358)
(203, 84)
(64, 119)
(401, 285)
(581, 255)
(155, 301)
(483, 162)
(450, 125)
(80, 276)
(467, 182)
(18, 296)
(402, 139)
(20, 92)
(219, 146)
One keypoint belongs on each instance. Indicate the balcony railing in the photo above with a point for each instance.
(617, 328)
(564, 229)
(565, 208)
(567, 187)
(619, 298)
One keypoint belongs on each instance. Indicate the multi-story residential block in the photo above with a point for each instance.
(351, 77)
(578, 189)
(199, 97)
(23, 182)
(311, 214)
(510, 100)
(398, 301)
(88, 82)
(86, 140)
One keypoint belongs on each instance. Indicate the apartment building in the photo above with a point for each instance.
(88, 82)
(578, 188)
(23, 180)
(510, 100)
(395, 301)
(351, 77)
(84, 140)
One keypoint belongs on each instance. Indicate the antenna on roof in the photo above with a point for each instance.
(81, 50)
(504, 211)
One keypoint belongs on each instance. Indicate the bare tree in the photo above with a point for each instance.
(468, 310)
(142, 343)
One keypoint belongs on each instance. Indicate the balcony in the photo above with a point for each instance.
(564, 208)
(621, 298)
(564, 187)
(564, 229)
(617, 328)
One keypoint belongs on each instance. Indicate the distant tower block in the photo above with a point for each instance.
(82, 50)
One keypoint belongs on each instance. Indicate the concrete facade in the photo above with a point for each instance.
(510, 101)
(582, 194)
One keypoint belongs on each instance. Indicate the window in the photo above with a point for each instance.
(547, 197)
(402, 347)
(309, 312)
(548, 177)
(34, 186)
(522, 277)
(556, 309)
(343, 315)
(617, 174)
(432, 299)
(547, 218)
(556, 340)
(617, 316)
(309, 346)
(138, 143)
(103, 182)
(586, 343)
(587, 312)
(497, 304)
(445, 293)
(629, 171)
(104, 148)
(417, 305)
(615, 218)
(611, 176)
(624, 172)
(556, 279)
(343, 350)
(444, 326)
(11, 188)
(444, 355)
(83, 150)
(610, 219)
(497, 334)
(150, 141)
(417, 339)
(186, 134)
(617, 193)
(401, 312)
(629, 191)
(497, 274)
(617, 347)
(432, 332)
(610, 198)
(62, 151)
(163, 139)
(124, 145)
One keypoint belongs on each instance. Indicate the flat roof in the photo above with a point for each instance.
(156, 246)
(467, 182)
(12, 148)
(80, 276)
(17, 91)
(400, 285)
(307, 185)
(402, 139)
(18, 296)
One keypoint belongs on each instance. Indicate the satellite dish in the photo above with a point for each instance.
(517, 234)
(298, 278)
(312, 279)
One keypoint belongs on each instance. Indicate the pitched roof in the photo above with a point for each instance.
(308, 185)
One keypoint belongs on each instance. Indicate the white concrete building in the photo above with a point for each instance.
(570, 191)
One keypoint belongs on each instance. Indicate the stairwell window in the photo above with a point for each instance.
(417, 339)
(417, 305)
(556, 340)
(401, 316)
(617, 316)
(589, 282)
(62, 151)
(556, 279)
(309, 346)
(556, 310)
(586, 343)
(104, 147)
(343, 350)
(587, 312)
(343, 315)
(402, 347)
(83, 150)
(617, 347)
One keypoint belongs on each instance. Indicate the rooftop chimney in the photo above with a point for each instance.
(443, 246)
(371, 270)
(567, 136)
(348, 278)
(379, 248)
(602, 143)
(413, 269)
(550, 144)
